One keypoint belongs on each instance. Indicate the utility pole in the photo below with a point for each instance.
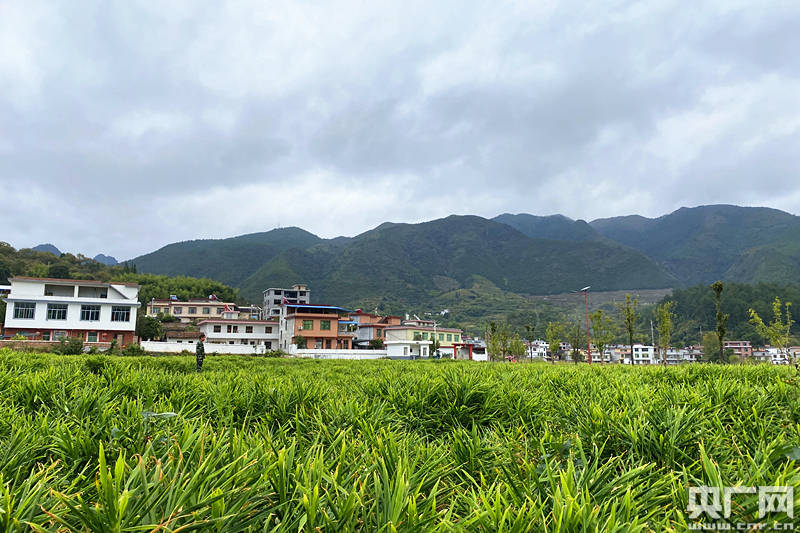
(585, 292)
(652, 335)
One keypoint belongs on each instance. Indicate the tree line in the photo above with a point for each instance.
(27, 262)
(624, 325)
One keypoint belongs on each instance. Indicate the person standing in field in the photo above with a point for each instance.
(200, 353)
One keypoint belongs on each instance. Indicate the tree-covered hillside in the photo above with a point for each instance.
(413, 264)
(229, 261)
(28, 262)
(706, 243)
(695, 310)
(555, 227)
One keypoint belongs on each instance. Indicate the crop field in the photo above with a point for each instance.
(111, 444)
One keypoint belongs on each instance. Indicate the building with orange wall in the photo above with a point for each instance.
(319, 327)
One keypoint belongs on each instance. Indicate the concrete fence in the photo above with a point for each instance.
(340, 354)
(210, 347)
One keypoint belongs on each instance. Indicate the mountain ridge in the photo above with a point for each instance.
(520, 253)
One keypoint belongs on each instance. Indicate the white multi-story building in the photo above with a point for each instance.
(538, 348)
(643, 355)
(252, 332)
(48, 309)
(274, 298)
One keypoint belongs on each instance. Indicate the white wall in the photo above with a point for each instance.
(257, 335)
(341, 354)
(176, 347)
(33, 291)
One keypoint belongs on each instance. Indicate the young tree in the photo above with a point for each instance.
(630, 318)
(498, 341)
(665, 317)
(530, 334)
(711, 351)
(777, 332)
(434, 347)
(554, 334)
(603, 331)
(722, 319)
(517, 347)
(576, 337)
(300, 341)
(148, 327)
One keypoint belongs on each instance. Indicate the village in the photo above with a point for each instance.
(42, 311)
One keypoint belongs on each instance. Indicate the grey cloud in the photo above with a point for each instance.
(138, 112)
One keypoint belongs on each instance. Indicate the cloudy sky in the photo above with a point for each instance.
(128, 125)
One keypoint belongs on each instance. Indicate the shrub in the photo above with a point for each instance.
(95, 364)
(376, 344)
(300, 341)
(114, 348)
(133, 350)
(275, 353)
(69, 346)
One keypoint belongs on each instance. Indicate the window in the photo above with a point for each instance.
(91, 336)
(90, 313)
(325, 325)
(155, 310)
(248, 329)
(206, 310)
(120, 313)
(441, 336)
(276, 302)
(318, 344)
(327, 344)
(268, 345)
(449, 337)
(277, 293)
(56, 311)
(45, 335)
(178, 310)
(377, 333)
(220, 310)
(192, 310)
(405, 350)
(308, 324)
(58, 335)
(268, 329)
(456, 338)
(217, 329)
(24, 310)
(425, 335)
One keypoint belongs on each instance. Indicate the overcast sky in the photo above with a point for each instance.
(128, 125)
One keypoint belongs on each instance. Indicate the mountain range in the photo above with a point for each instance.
(464, 260)
(51, 248)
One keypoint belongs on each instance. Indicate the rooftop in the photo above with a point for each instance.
(234, 321)
(62, 281)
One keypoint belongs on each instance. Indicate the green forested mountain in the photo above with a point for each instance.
(408, 264)
(229, 261)
(555, 227)
(695, 310)
(706, 243)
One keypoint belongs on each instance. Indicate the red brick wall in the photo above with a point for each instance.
(103, 337)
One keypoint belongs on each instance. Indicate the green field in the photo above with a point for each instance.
(96, 443)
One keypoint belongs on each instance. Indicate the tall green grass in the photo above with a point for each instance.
(146, 444)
